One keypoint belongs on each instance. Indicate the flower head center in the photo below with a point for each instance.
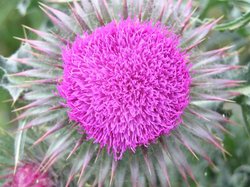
(126, 84)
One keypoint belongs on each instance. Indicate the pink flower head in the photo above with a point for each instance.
(28, 175)
(126, 84)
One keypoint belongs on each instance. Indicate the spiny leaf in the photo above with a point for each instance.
(8, 65)
(14, 91)
(243, 5)
(19, 144)
(6, 145)
(235, 24)
(245, 90)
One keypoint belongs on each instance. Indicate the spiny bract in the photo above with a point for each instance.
(128, 73)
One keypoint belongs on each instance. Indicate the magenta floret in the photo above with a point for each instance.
(29, 175)
(126, 84)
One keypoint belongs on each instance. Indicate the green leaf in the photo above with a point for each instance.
(246, 117)
(13, 91)
(6, 149)
(243, 90)
(240, 177)
(22, 6)
(6, 8)
(8, 66)
(235, 24)
(243, 5)
(19, 143)
(5, 66)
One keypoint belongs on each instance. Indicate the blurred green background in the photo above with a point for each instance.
(231, 170)
(14, 14)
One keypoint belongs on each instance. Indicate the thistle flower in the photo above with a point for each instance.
(27, 175)
(126, 84)
(121, 83)
(27, 170)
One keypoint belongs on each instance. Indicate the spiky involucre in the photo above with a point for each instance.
(45, 107)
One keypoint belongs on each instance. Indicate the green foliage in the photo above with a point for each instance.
(9, 66)
(235, 24)
(232, 171)
(13, 15)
